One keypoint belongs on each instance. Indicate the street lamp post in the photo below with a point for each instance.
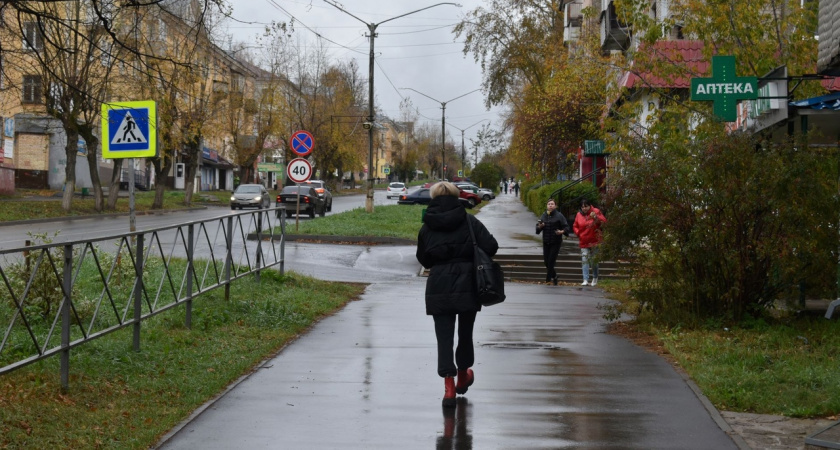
(369, 123)
(442, 125)
(463, 153)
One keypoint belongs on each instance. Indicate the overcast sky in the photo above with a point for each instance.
(417, 51)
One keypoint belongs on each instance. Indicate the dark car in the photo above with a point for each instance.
(310, 202)
(323, 192)
(422, 197)
(250, 196)
(419, 197)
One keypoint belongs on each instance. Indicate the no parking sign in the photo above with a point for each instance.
(302, 143)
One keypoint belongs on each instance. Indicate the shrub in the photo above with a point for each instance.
(722, 226)
(486, 175)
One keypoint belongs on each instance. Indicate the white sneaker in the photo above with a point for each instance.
(585, 283)
(594, 281)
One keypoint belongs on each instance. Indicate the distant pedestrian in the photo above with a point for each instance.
(516, 188)
(501, 186)
(553, 226)
(587, 227)
(444, 245)
(506, 186)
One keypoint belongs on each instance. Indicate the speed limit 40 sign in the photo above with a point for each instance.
(299, 170)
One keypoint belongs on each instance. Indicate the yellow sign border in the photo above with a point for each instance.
(106, 145)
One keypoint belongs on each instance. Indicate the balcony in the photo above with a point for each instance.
(572, 20)
(614, 34)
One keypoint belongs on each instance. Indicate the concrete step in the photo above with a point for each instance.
(531, 268)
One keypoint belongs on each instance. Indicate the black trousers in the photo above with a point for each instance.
(464, 355)
(550, 252)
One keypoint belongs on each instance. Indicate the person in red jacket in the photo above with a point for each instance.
(587, 227)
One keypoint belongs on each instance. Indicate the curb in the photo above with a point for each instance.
(152, 212)
(350, 240)
(714, 413)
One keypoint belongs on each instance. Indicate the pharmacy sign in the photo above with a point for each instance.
(724, 88)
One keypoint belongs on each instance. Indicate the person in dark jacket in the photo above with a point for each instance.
(444, 245)
(553, 226)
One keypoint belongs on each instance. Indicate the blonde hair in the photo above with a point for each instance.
(444, 188)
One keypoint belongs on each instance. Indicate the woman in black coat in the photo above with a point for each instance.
(444, 246)
(553, 226)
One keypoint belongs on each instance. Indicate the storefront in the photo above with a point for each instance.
(216, 172)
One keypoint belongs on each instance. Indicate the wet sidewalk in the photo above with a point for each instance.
(547, 376)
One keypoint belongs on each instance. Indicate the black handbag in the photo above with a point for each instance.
(489, 277)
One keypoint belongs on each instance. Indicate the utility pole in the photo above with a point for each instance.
(463, 151)
(442, 123)
(370, 118)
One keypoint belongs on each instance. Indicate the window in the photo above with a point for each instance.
(32, 89)
(32, 36)
(105, 57)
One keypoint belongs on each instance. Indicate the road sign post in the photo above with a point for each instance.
(129, 130)
(299, 170)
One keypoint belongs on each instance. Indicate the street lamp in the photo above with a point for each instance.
(442, 125)
(369, 122)
(463, 154)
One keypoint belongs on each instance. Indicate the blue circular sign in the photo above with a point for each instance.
(301, 143)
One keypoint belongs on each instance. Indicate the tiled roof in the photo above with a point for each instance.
(667, 64)
(831, 84)
(672, 64)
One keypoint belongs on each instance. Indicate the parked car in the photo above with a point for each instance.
(250, 196)
(310, 202)
(419, 197)
(395, 190)
(422, 197)
(323, 192)
(484, 193)
(468, 195)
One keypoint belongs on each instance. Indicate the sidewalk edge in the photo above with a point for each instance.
(714, 413)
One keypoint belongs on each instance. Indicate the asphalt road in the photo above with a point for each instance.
(14, 235)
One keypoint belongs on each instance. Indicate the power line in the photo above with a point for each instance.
(291, 16)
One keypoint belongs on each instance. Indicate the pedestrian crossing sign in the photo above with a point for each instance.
(129, 130)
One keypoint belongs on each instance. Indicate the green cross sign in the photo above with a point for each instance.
(724, 88)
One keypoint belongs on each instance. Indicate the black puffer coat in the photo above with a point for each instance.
(553, 222)
(444, 245)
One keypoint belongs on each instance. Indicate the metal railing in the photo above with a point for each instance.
(54, 297)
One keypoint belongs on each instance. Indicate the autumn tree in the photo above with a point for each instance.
(754, 190)
(67, 57)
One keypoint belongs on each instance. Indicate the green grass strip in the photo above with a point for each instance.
(121, 399)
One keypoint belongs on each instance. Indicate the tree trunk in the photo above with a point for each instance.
(93, 166)
(189, 185)
(70, 150)
(114, 188)
(162, 167)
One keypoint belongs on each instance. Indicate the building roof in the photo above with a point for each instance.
(667, 64)
(827, 102)
(831, 84)
(672, 64)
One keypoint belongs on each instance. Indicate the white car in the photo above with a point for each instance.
(395, 190)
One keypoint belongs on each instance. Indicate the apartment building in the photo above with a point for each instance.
(200, 89)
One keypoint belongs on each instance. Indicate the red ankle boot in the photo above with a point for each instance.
(465, 380)
(449, 395)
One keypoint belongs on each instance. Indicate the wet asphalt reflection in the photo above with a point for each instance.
(548, 376)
